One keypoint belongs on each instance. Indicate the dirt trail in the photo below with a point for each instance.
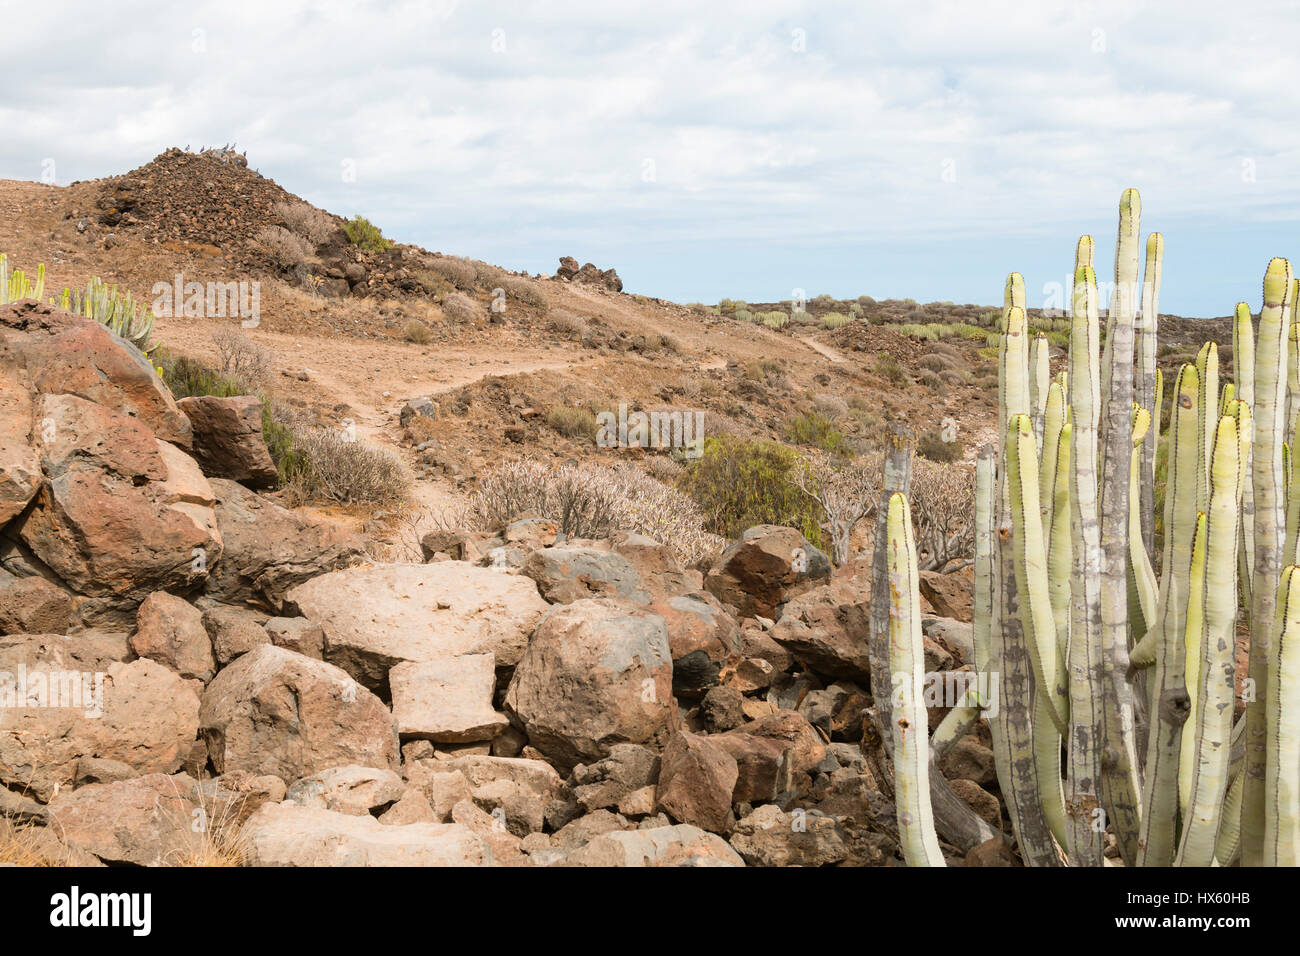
(824, 350)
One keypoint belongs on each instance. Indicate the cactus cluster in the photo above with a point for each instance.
(1115, 735)
(119, 312)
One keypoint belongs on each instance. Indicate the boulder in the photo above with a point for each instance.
(968, 759)
(702, 638)
(613, 662)
(517, 791)
(771, 836)
(377, 617)
(655, 563)
(412, 807)
(289, 835)
(696, 780)
(768, 566)
(827, 628)
(233, 631)
(269, 549)
(33, 605)
(531, 533)
(566, 574)
(65, 354)
(448, 700)
(951, 595)
(139, 713)
(351, 789)
(722, 709)
(628, 769)
(228, 439)
(170, 630)
(297, 634)
(121, 514)
(681, 845)
(276, 712)
(145, 821)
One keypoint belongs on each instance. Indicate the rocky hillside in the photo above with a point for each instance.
(205, 606)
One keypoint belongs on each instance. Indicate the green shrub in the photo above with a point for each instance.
(740, 482)
(817, 431)
(743, 315)
(572, 422)
(364, 234)
(833, 320)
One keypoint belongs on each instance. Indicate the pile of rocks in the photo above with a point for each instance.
(520, 698)
(588, 274)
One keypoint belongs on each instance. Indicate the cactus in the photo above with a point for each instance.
(1072, 617)
(120, 313)
(909, 725)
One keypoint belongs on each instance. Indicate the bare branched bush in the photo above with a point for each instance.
(304, 219)
(592, 501)
(943, 507)
(285, 249)
(240, 358)
(830, 406)
(460, 308)
(847, 491)
(335, 467)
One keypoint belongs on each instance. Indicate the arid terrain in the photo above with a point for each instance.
(508, 640)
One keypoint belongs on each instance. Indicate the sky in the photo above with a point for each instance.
(711, 149)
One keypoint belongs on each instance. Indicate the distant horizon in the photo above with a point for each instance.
(722, 151)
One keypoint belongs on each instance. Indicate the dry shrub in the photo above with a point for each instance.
(830, 406)
(663, 468)
(285, 249)
(417, 332)
(334, 467)
(935, 362)
(592, 501)
(459, 272)
(304, 219)
(522, 290)
(932, 446)
(460, 308)
(943, 508)
(240, 358)
(572, 422)
(567, 324)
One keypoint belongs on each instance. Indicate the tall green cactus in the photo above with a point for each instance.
(909, 725)
(1069, 610)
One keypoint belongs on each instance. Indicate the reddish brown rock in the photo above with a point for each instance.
(696, 780)
(768, 565)
(276, 712)
(614, 663)
(228, 439)
(170, 631)
(951, 595)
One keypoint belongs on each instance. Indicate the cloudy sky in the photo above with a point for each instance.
(711, 149)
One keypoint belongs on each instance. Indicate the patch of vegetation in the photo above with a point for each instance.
(740, 482)
(932, 446)
(364, 234)
(417, 332)
(888, 368)
(816, 431)
(572, 422)
(334, 467)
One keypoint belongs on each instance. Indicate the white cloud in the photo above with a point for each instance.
(492, 128)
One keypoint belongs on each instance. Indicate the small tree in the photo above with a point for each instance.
(846, 491)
